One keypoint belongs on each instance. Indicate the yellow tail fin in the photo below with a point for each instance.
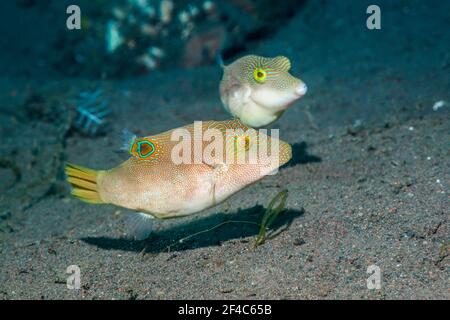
(84, 183)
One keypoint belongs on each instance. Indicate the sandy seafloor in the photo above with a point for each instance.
(368, 183)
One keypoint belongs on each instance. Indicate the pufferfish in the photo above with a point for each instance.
(155, 182)
(258, 90)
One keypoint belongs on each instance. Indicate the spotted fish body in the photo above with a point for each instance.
(257, 90)
(151, 181)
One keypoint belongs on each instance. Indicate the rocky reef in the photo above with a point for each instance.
(130, 37)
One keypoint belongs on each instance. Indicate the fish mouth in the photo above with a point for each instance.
(301, 90)
(278, 107)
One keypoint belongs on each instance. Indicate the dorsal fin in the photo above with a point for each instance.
(219, 61)
(128, 139)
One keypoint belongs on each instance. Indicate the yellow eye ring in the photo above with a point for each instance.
(242, 142)
(260, 75)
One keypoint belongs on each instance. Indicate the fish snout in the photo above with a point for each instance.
(301, 89)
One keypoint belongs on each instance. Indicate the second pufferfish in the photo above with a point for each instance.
(155, 182)
(258, 90)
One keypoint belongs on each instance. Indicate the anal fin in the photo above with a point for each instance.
(139, 225)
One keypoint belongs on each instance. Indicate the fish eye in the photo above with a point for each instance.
(260, 75)
(242, 142)
(247, 143)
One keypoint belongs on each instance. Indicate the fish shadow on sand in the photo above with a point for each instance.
(300, 155)
(168, 239)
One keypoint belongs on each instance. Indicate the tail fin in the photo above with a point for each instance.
(84, 183)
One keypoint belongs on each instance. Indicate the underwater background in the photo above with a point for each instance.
(368, 182)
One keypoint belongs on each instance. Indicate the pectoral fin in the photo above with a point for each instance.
(238, 95)
(218, 171)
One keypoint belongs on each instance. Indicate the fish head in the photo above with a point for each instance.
(254, 155)
(272, 86)
(263, 81)
(249, 154)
